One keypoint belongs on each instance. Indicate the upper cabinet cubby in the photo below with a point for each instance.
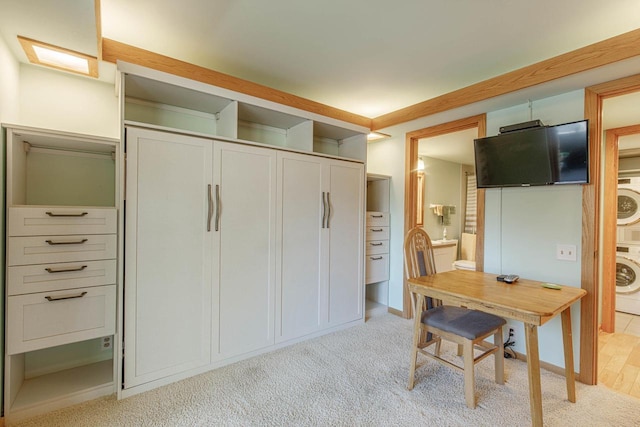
(160, 100)
(59, 169)
(338, 141)
(161, 104)
(258, 124)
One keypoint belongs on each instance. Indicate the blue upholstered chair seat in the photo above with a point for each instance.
(470, 324)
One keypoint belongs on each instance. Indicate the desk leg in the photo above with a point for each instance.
(417, 314)
(533, 365)
(569, 371)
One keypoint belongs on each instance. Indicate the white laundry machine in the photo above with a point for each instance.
(628, 278)
(628, 217)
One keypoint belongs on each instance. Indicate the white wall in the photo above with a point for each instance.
(63, 101)
(9, 80)
(522, 226)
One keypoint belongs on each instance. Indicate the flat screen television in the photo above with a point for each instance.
(543, 155)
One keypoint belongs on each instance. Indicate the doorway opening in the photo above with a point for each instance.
(592, 232)
(412, 177)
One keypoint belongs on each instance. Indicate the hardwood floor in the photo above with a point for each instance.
(619, 362)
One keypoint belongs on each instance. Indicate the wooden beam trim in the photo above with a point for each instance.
(98, 12)
(608, 51)
(113, 51)
(450, 127)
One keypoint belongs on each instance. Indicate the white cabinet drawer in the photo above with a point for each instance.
(375, 247)
(377, 218)
(54, 249)
(30, 279)
(53, 220)
(377, 233)
(376, 268)
(49, 319)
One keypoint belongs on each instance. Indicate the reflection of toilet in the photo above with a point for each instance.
(467, 253)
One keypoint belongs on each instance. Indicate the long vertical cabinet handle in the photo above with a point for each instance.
(210, 212)
(328, 209)
(324, 209)
(217, 207)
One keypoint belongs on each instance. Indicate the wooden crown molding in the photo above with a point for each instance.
(98, 11)
(113, 51)
(602, 53)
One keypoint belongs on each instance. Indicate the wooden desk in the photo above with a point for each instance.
(525, 300)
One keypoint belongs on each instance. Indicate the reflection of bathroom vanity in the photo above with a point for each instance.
(445, 253)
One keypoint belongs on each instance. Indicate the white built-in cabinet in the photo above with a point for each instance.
(227, 226)
(377, 255)
(244, 224)
(62, 269)
(248, 247)
(320, 232)
(244, 227)
(201, 252)
(169, 255)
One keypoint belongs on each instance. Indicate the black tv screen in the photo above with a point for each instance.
(542, 155)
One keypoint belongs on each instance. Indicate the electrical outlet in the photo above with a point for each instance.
(566, 252)
(107, 343)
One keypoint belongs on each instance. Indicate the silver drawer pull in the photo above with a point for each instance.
(376, 230)
(67, 214)
(374, 258)
(377, 216)
(73, 242)
(48, 298)
(65, 270)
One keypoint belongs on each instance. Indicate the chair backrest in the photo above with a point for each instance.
(418, 254)
(419, 261)
(468, 247)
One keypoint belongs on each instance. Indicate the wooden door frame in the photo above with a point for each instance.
(411, 185)
(609, 212)
(589, 305)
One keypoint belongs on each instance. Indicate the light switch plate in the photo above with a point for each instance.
(566, 252)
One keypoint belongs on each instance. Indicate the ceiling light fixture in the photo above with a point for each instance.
(374, 136)
(59, 58)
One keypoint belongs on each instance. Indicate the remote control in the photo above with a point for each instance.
(510, 278)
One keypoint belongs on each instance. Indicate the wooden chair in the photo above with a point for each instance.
(465, 327)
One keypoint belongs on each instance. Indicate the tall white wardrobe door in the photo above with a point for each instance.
(301, 300)
(246, 177)
(168, 255)
(346, 283)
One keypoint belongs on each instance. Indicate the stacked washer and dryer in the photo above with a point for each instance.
(628, 246)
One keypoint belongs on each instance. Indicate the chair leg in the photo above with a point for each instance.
(499, 356)
(459, 349)
(469, 377)
(417, 332)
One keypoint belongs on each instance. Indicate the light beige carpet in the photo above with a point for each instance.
(355, 377)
